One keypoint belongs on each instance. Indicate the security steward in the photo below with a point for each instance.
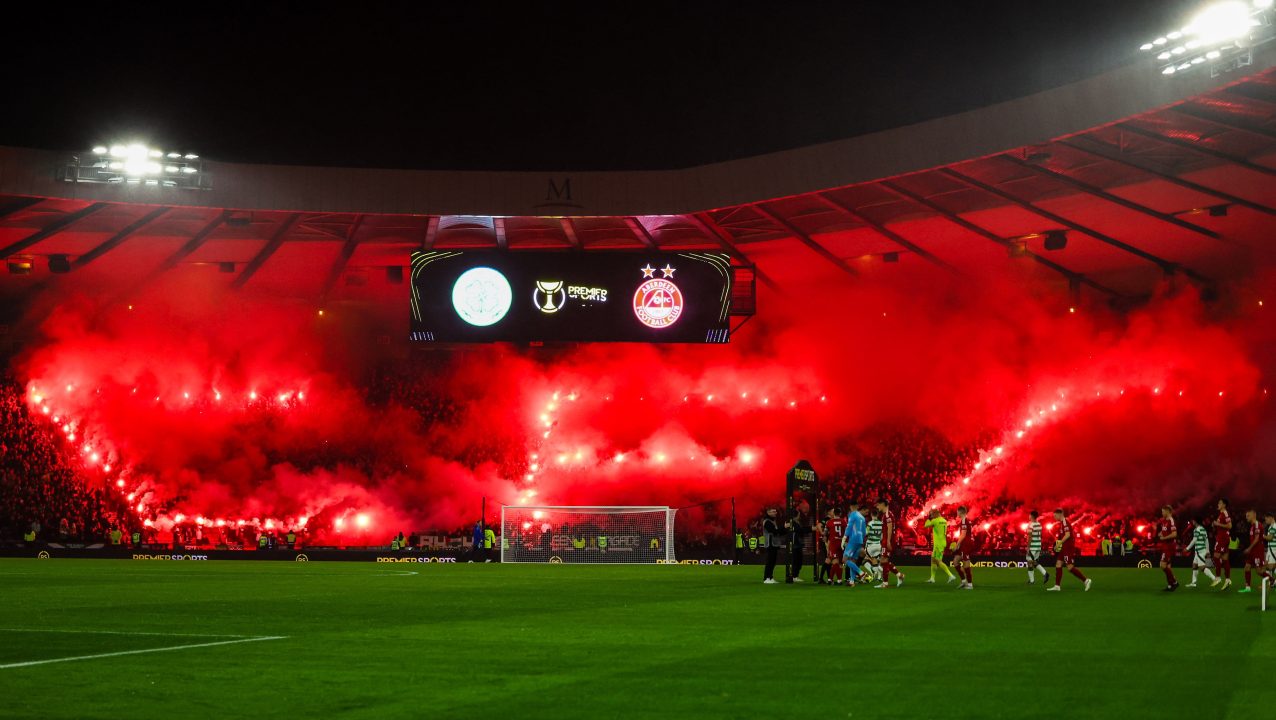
(776, 535)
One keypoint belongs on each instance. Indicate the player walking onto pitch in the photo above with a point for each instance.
(962, 548)
(1254, 551)
(873, 546)
(1034, 549)
(1222, 545)
(1167, 536)
(939, 542)
(835, 528)
(1269, 534)
(1065, 548)
(888, 545)
(821, 555)
(1198, 548)
(856, 527)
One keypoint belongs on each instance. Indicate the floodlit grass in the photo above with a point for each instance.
(553, 641)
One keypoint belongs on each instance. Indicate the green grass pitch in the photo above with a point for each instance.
(555, 641)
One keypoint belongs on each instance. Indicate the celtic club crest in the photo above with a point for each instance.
(658, 303)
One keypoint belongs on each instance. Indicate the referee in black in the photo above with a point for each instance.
(775, 537)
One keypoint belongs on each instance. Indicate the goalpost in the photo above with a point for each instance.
(584, 534)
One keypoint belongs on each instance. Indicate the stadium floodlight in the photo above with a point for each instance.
(1222, 22)
(136, 163)
(1222, 34)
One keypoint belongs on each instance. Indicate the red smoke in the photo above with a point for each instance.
(166, 393)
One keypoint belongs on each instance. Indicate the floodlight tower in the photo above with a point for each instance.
(136, 163)
(1221, 36)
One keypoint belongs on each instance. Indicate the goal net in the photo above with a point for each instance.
(569, 534)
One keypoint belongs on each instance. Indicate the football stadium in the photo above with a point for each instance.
(729, 360)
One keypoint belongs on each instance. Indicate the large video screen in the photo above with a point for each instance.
(649, 297)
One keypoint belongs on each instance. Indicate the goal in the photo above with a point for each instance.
(579, 534)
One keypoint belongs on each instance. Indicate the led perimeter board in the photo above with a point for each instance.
(648, 297)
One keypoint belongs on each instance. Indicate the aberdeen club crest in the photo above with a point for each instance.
(658, 302)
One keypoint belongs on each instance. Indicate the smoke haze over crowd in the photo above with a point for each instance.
(233, 406)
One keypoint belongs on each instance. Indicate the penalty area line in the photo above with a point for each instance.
(191, 646)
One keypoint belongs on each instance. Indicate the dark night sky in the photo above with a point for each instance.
(548, 86)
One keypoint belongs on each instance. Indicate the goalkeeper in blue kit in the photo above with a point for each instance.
(853, 542)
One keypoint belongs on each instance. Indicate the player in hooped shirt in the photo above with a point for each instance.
(1034, 549)
(1167, 537)
(873, 546)
(1198, 549)
(1222, 545)
(888, 545)
(1065, 547)
(834, 528)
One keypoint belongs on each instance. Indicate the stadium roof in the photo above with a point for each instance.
(1144, 177)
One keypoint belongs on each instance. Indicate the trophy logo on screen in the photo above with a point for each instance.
(549, 296)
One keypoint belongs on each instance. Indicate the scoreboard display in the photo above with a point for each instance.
(648, 297)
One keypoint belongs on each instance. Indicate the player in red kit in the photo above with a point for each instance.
(1222, 545)
(1065, 548)
(888, 545)
(1167, 536)
(963, 548)
(1254, 550)
(834, 528)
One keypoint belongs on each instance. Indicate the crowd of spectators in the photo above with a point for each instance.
(45, 490)
(41, 490)
(404, 383)
(418, 383)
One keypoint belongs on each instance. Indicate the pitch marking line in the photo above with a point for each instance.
(124, 632)
(189, 646)
(222, 573)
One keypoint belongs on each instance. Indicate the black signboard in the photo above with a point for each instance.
(648, 297)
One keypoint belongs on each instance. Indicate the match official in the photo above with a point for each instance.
(775, 537)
